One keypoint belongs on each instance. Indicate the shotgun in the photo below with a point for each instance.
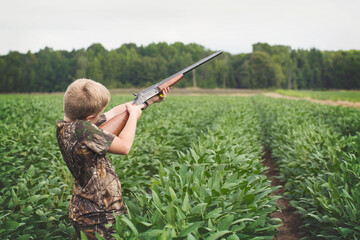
(117, 123)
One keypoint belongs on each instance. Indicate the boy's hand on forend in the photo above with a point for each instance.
(162, 96)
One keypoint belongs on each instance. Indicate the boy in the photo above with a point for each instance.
(83, 145)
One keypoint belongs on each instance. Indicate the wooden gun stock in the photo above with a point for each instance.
(116, 124)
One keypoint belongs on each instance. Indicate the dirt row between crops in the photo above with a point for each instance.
(328, 102)
(291, 221)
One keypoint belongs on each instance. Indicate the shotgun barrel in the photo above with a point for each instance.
(156, 89)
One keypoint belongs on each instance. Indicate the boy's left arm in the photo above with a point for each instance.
(122, 108)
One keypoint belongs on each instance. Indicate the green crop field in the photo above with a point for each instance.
(195, 170)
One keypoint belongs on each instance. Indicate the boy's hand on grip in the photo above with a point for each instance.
(134, 110)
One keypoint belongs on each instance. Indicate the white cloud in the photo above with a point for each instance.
(229, 25)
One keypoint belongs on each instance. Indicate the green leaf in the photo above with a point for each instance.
(152, 233)
(147, 224)
(186, 206)
(346, 194)
(233, 237)
(172, 193)
(199, 209)
(4, 215)
(214, 213)
(190, 229)
(156, 198)
(35, 198)
(249, 199)
(190, 237)
(24, 237)
(39, 212)
(346, 231)
(166, 234)
(180, 213)
(226, 222)
(31, 171)
(170, 213)
(130, 224)
(217, 235)
(314, 216)
(83, 236)
(28, 209)
(99, 237)
(13, 225)
(243, 220)
(117, 223)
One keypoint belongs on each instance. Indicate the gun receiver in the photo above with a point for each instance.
(116, 124)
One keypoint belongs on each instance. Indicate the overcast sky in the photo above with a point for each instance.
(229, 25)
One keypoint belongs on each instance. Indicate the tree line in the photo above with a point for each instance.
(267, 66)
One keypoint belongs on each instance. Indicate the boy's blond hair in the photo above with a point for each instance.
(85, 97)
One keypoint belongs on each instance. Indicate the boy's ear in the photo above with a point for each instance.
(89, 117)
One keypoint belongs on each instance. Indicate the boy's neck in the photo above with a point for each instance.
(66, 119)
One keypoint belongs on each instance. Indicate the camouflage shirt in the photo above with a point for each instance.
(97, 190)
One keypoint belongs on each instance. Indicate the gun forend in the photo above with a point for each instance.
(170, 82)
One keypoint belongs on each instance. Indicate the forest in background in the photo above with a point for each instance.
(267, 66)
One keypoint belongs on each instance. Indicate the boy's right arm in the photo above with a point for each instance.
(123, 143)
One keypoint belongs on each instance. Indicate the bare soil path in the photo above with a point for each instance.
(291, 221)
(235, 92)
(328, 102)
